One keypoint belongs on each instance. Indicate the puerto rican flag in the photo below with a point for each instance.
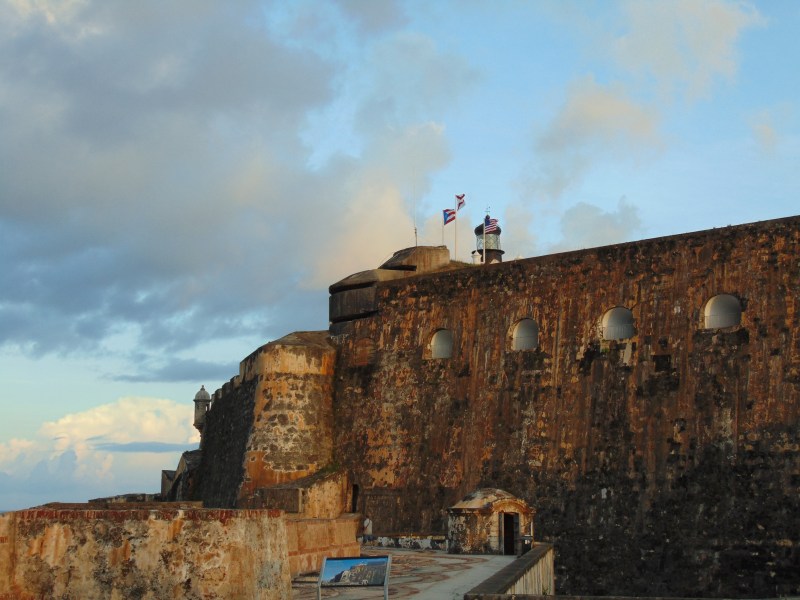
(460, 202)
(449, 215)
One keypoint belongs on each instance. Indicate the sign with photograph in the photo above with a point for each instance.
(355, 571)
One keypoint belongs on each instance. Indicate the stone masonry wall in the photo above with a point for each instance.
(310, 540)
(272, 423)
(155, 553)
(664, 464)
(225, 434)
(292, 434)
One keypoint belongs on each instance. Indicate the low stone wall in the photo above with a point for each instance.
(310, 540)
(411, 542)
(143, 553)
(322, 495)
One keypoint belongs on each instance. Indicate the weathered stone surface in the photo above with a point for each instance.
(666, 463)
(323, 495)
(292, 434)
(154, 553)
(310, 540)
(273, 424)
(354, 296)
(419, 259)
(476, 524)
(179, 485)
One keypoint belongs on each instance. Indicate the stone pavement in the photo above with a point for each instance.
(418, 574)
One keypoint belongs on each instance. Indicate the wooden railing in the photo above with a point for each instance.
(531, 574)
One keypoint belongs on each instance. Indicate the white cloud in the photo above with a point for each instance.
(518, 238)
(769, 126)
(411, 62)
(685, 45)
(156, 174)
(373, 16)
(596, 123)
(586, 226)
(114, 448)
(14, 450)
(123, 421)
(54, 12)
(600, 115)
(373, 216)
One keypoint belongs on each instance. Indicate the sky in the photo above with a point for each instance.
(181, 181)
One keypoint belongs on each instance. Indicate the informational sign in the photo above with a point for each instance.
(355, 571)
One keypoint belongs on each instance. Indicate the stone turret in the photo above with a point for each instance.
(202, 400)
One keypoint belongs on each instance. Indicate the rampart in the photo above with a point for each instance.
(270, 424)
(664, 462)
(146, 552)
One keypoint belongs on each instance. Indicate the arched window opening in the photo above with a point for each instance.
(618, 324)
(723, 310)
(442, 344)
(525, 335)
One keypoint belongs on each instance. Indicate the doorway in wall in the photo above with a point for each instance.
(354, 503)
(510, 529)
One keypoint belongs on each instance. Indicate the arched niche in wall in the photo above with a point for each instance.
(524, 335)
(441, 345)
(618, 324)
(722, 310)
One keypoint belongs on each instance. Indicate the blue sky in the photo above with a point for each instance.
(180, 182)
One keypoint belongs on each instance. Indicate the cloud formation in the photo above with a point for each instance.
(770, 125)
(683, 45)
(156, 176)
(97, 452)
(596, 123)
(586, 226)
(659, 52)
(179, 369)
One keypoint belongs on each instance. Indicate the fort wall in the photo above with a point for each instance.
(271, 424)
(663, 463)
(163, 552)
(311, 540)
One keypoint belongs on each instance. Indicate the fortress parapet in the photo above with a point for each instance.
(353, 297)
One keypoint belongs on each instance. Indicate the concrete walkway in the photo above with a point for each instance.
(418, 574)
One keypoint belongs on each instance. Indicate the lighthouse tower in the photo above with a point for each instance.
(487, 243)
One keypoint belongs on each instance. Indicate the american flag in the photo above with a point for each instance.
(489, 225)
(449, 215)
(460, 202)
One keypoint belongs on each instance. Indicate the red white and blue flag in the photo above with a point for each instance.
(460, 202)
(490, 225)
(449, 215)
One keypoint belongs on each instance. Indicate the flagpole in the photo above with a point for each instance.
(455, 249)
(459, 206)
(415, 221)
(485, 220)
